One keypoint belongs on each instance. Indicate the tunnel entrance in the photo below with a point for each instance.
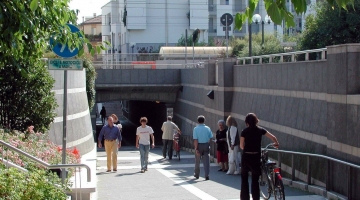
(130, 112)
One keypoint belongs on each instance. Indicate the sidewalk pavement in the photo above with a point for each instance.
(169, 179)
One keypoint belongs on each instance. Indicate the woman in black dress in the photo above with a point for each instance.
(250, 142)
(222, 146)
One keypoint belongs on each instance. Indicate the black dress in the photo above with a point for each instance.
(222, 146)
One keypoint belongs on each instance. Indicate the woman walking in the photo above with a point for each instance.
(233, 144)
(222, 146)
(250, 143)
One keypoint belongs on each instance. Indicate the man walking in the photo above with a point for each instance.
(111, 134)
(202, 135)
(143, 134)
(168, 128)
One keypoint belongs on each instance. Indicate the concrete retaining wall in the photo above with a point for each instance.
(79, 128)
(310, 106)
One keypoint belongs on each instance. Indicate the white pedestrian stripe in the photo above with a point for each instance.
(183, 182)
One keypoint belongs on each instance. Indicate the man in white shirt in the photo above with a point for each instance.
(168, 128)
(143, 134)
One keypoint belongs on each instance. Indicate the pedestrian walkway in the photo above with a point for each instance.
(169, 179)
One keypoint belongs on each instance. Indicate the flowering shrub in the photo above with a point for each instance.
(36, 185)
(38, 145)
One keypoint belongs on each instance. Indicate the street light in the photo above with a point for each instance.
(256, 19)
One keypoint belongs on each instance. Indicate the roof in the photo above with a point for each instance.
(95, 20)
(197, 50)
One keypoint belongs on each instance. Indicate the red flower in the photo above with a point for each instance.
(59, 149)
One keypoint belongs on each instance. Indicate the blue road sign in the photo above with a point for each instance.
(63, 50)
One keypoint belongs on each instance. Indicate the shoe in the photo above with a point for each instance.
(145, 169)
(225, 170)
(108, 170)
(197, 177)
(170, 158)
(114, 170)
(229, 173)
(175, 156)
(220, 170)
(164, 156)
(207, 178)
(236, 172)
(142, 171)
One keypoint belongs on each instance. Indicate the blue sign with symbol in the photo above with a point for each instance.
(63, 50)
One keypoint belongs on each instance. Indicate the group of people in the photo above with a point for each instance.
(229, 142)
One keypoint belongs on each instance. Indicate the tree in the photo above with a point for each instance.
(278, 10)
(27, 25)
(240, 47)
(330, 27)
(26, 100)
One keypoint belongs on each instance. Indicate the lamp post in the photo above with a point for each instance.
(256, 19)
(250, 39)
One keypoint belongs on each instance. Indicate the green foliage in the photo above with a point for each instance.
(181, 41)
(37, 185)
(26, 96)
(90, 79)
(278, 10)
(271, 45)
(331, 27)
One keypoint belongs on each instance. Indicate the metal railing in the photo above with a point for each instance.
(350, 167)
(64, 166)
(279, 58)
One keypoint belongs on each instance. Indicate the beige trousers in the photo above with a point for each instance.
(111, 148)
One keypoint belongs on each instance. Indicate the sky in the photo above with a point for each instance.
(87, 7)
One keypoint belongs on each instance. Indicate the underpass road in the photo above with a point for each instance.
(169, 179)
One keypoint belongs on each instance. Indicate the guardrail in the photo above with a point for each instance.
(144, 65)
(46, 164)
(350, 167)
(279, 58)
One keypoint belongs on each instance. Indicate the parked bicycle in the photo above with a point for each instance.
(270, 179)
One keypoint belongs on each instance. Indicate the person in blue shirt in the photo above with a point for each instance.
(202, 135)
(112, 142)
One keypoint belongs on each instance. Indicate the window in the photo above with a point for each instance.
(93, 31)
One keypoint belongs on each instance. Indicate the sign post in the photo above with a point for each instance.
(64, 51)
(226, 20)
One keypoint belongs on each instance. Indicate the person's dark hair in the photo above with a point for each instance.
(143, 119)
(251, 119)
(201, 119)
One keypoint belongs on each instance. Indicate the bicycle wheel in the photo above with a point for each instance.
(279, 190)
(264, 184)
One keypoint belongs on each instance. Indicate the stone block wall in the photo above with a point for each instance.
(310, 106)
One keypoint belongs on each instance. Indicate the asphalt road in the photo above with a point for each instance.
(169, 179)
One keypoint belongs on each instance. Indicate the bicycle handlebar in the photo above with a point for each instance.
(269, 145)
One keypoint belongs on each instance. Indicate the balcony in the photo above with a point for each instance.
(93, 38)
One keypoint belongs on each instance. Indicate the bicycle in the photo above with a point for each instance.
(270, 179)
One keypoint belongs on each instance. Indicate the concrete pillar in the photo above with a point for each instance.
(343, 87)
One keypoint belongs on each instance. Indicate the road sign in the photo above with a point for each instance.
(65, 64)
(226, 19)
(228, 28)
(63, 50)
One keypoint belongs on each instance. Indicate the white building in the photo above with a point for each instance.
(133, 26)
(145, 25)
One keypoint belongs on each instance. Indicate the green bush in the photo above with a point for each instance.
(271, 45)
(26, 96)
(331, 26)
(37, 184)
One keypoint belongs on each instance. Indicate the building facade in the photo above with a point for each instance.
(143, 26)
(91, 26)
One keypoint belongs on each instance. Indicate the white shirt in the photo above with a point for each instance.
(144, 134)
(168, 128)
